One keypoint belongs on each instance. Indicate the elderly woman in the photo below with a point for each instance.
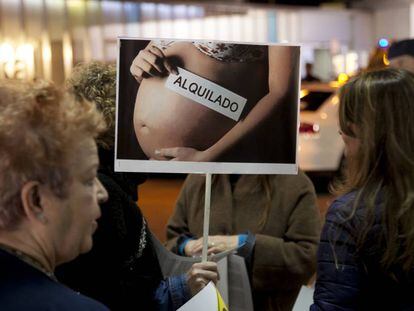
(49, 194)
(122, 269)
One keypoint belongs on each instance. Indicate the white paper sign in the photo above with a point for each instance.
(208, 299)
(206, 93)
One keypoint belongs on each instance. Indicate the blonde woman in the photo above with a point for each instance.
(366, 255)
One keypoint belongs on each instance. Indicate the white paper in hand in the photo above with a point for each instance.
(208, 299)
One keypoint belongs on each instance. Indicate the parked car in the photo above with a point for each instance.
(320, 148)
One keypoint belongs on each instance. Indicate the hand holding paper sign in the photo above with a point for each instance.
(209, 299)
(200, 275)
(151, 62)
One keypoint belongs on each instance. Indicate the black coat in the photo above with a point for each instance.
(23, 287)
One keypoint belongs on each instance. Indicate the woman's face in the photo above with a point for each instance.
(74, 217)
(351, 143)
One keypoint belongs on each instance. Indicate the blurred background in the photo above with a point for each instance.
(46, 38)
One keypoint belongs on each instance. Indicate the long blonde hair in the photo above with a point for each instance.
(380, 104)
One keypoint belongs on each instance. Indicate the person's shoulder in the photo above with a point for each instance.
(50, 295)
(343, 204)
(341, 211)
(297, 183)
(57, 296)
(68, 299)
(351, 209)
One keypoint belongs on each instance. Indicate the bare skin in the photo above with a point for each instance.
(172, 127)
(200, 275)
(216, 244)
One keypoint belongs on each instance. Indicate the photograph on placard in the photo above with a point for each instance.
(207, 106)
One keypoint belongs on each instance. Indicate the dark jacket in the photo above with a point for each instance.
(352, 279)
(22, 287)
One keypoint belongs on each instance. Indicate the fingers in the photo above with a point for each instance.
(213, 247)
(155, 58)
(200, 274)
(217, 249)
(208, 265)
(164, 61)
(150, 62)
(136, 72)
(189, 248)
(197, 248)
(211, 250)
(156, 51)
(208, 275)
(207, 270)
(168, 152)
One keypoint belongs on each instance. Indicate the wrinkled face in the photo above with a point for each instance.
(74, 217)
(403, 62)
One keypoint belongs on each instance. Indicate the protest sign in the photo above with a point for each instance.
(207, 107)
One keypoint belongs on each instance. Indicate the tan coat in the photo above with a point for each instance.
(285, 250)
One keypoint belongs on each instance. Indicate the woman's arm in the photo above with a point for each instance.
(173, 292)
(177, 226)
(340, 276)
(281, 61)
(288, 262)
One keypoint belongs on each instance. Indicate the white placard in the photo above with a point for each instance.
(206, 93)
(208, 299)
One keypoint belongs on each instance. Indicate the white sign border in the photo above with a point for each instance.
(185, 167)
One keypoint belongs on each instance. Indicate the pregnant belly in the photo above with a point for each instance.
(165, 119)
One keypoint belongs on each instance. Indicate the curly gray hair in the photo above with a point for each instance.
(96, 82)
